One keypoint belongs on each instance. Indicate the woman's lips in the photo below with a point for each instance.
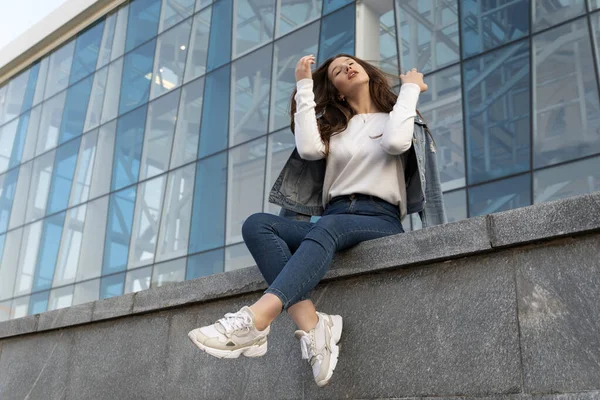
(352, 74)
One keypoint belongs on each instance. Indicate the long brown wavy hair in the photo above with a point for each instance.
(334, 114)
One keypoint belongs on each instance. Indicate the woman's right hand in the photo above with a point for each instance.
(303, 68)
(413, 76)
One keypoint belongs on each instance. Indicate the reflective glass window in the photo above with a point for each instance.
(198, 52)
(49, 245)
(204, 264)
(251, 79)
(59, 69)
(332, 5)
(337, 33)
(87, 48)
(580, 177)
(456, 205)
(118, 47)
(41, 179)
(288, 51)
(32, 133)
(441, 107)
(9, 262)
(60, 298)
(91, 248)
(549, 13)
(75, 110)
(38, 303)
(86, 292)
(499, 196)
(238, 257)
(4, 310)
(106, 43)
(137, 76)
(128, 148)
(169, 272)
(18, 143)
(70, 247)
(489, 24)
(428, 33)
(31, 85)
(118, 230)
(200, 4)
(292, 15)
(40, 86)
(381, 50)
(169, 61)
(148, 207)
(8, 188)
(158, 139)
(174, 11)
(103, 160)
(14, 97)
(50, 123)
(138, 279)
(30, 245)
(246, 181)
(112, 286)
(280, 147)
(143, 22)
(215, 114)
(208, 211)
(174, 232)
(94, 110)
(219, 46)
(497, 109)
(567, 110)
(254, 24)
(20, 307)
(8, 138)
(19, 207)
(110, 106)
(62, 176)
(82, 178)
(594, 4)
(187, 132)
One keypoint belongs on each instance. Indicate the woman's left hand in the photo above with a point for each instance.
(413, 76)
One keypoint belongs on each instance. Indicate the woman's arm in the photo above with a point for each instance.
(308, 139)
(398, 131)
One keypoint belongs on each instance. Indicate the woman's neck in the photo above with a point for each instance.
(361, 101)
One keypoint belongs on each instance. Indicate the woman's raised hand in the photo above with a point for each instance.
(303, 67)
(413, 76)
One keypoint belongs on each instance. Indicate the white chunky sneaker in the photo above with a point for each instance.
(319, 346)
(231, 336)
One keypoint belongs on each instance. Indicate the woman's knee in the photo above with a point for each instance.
(256, 223)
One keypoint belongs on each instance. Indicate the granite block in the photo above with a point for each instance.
(63, 317)
(113, 307)
(19, 326)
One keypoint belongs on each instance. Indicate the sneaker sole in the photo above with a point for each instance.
(251, 351)
(336, 334)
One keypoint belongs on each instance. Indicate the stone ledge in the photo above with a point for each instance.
(540, 222)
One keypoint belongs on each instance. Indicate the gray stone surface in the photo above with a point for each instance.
(120, 359)
(438, 242)
(18, 326)
(559, 314)
(113, 307)
(35, 366)
(595, 395)
(443, 329)
(208, 288)
(546, 220)
(74, 315)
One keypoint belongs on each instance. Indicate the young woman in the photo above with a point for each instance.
(350, 165)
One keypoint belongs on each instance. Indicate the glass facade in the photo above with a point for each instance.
(131, 155)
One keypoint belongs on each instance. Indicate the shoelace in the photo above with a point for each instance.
(235, 321)
(309, 348)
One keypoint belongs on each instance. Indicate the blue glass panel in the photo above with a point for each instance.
(219, 46)
(489, 24)
(205, 264)
(75, 110)
(497, 110)
(137, 76)
(112, 286)
(332, 5)
(38, 302)
(19, 142)
(31, 84)
(128, 148)
(62, 176)
(8, 186)
(498, 196)
(118, 230)
(87, 47)
(208, 213)
(337, 33)
(215, 113)
(49, 245)
(2, 240)
(143, 22)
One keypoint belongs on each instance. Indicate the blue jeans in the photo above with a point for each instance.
(293, 256)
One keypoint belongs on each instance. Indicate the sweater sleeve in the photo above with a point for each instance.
(398, 131)
(307, 136)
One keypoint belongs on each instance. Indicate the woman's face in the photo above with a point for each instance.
(346, 75)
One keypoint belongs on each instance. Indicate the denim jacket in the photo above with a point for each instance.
(299, 187)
